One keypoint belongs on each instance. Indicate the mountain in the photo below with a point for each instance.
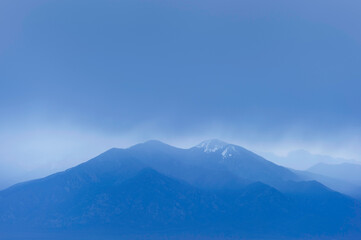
(345, 171)
(344, 177)
(342, 186)
(214, 190)
(211, 164)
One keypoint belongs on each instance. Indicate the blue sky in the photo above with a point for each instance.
(78, 77)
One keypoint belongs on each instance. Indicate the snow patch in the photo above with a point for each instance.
(228, 151)
(212, 145)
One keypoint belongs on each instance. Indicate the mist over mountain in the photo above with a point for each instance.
(345, 171)
(80, 77)
(303, 160)
(340, 185)
(213, 190)
(335, 173)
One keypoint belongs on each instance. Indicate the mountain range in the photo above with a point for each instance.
(152, 190)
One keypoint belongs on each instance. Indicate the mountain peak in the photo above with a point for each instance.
(212, 145)
(151, 143)
(227, 150)
(154, 142)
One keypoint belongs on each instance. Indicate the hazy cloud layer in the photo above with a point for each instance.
(77, 78)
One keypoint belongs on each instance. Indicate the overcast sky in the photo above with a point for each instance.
(79, 77)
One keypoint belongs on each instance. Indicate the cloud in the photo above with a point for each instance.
(273, 78)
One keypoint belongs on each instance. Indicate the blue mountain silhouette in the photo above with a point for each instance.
(214, 190)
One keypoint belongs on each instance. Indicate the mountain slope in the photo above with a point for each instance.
(338, 185)
(151, 202)
(242, 162)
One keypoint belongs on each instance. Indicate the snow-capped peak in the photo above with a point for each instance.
(225, 149)
(212, 145)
